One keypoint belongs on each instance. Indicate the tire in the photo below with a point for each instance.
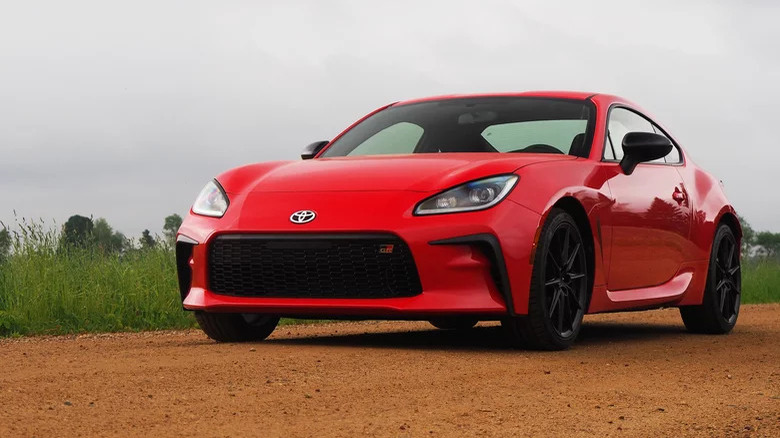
(454, 323)
(719, 310)
(560, 286)
(236, 327)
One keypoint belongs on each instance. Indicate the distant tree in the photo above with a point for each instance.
(5, 244)
(77, 231)
(769, 241)
(106, 238)
(147, 241)
(748, 235)
(172, 224)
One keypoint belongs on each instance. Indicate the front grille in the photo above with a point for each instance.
(314, 266)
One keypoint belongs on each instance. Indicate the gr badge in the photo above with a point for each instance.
(386, 248)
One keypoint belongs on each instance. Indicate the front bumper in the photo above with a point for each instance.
(459, 272)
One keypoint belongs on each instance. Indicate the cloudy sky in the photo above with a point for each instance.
(124, 110)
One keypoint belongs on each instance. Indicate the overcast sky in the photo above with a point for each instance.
(124, 110)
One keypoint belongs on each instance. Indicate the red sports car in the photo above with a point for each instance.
(529, 208)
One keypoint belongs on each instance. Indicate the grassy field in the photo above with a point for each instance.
(88, 291)
(45, 290)
(761, 281)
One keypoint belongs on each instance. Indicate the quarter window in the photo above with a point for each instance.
(673, 157)
(623, 121)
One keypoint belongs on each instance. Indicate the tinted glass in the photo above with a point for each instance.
(400, 138)
(673, 157)
(485, 124)
(623, 121)
(509, 137)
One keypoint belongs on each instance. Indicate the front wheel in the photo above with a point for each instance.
(236, 327)
(718, 312)
(559, 288)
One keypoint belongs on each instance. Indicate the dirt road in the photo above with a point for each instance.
(631, 375)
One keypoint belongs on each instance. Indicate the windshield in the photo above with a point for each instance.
(479, 124)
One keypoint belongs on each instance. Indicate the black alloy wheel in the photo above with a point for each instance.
(559, 288)
(565, 280)
(728, 279)
(722, 295)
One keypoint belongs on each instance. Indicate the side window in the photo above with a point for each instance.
(608, 150)
(673, 157)
(621, 122)
(400, 138)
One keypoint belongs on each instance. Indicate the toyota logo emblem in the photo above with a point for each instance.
(302, 216)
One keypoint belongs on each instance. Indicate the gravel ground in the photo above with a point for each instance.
(635, 374)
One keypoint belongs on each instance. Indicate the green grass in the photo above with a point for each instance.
(45, 290)
(87, 291)
(761, 281)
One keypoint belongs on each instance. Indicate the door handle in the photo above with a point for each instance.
(679, 195)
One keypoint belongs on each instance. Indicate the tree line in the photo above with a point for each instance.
(84, 232)
(759, 244)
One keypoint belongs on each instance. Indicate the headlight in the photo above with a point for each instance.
(471, 196)
(211, 201)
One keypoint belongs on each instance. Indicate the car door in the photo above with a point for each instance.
(650, 212)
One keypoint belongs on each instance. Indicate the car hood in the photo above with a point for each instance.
(421, 172)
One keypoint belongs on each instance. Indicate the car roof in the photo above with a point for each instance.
(577, 95)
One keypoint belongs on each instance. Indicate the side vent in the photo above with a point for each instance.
(183, 256)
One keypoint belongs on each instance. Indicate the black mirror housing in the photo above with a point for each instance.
(311, 150)
(641, 147)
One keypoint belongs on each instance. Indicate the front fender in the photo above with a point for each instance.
(578, 186)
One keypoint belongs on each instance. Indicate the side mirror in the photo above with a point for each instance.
(640, 147)
(313, 149)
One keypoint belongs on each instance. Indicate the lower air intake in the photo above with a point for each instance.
(314, 266)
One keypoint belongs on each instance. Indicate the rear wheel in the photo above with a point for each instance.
(718, 312)
(559, 288)
(236, 327)
(454, 323)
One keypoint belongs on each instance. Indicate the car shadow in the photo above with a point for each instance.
(605, 332)
(483, 338)
(478, 338)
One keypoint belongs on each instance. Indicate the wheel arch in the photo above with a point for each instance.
(729, 217)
